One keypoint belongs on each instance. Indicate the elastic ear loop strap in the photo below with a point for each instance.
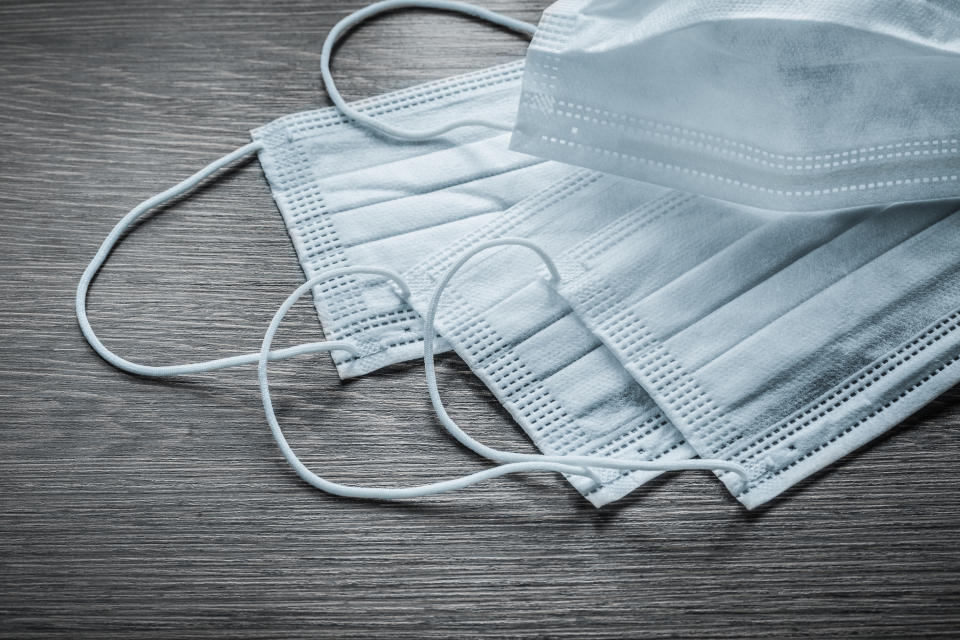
(510, 462)
(357, 17)
(107, 246)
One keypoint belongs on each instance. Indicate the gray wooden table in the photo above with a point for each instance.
(131, 506)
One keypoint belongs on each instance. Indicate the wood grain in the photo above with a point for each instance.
(135, 507)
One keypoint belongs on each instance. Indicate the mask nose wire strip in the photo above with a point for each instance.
(351, 491)
(626, 464)
(357, 17)
(107, 246)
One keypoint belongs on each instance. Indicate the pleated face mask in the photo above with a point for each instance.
(561, 385)
(782, 104)
(780, 342)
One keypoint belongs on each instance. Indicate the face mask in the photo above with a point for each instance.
(778, 342)
(783, 104)
(566, 390)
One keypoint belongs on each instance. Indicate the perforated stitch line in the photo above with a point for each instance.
(597, 297)
(740, 184)
(628, 436)
(306, 208)
(842, 393)
(508, 373)
(551, 63)
(384, 319)
(757, 155)
(551, 35)
(406, 320)
(541, 411)
(315, 241)
(318, 239)
(537, 405)
(650, 366)
(929, 376)
(284, 166)
(504, 371)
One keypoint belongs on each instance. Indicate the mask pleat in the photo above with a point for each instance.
(422, 172)
(801, 279)
(739, 267)
(391, 219)
(869, 312)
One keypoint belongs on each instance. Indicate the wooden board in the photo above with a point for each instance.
(136, 507)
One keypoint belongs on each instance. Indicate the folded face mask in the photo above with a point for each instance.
(350, 196)
(782, 104)
(562, 386)
(780, 342)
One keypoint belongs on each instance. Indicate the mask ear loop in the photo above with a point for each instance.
(357, 17)
(584, 462)
(352, 491)
(182, 369)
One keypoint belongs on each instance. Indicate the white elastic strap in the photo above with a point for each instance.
(107, 246)
(585, 462)
(376, 493)
(359, 16)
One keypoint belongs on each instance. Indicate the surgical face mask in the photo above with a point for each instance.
(780, 342)
(352, 197)
(561, 385)
(783, 104)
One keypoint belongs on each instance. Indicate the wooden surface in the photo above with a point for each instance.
(135, 507)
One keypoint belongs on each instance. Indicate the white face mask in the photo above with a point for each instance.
(352, 197)
(782, 104)
(566, 390)
(779, 342)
